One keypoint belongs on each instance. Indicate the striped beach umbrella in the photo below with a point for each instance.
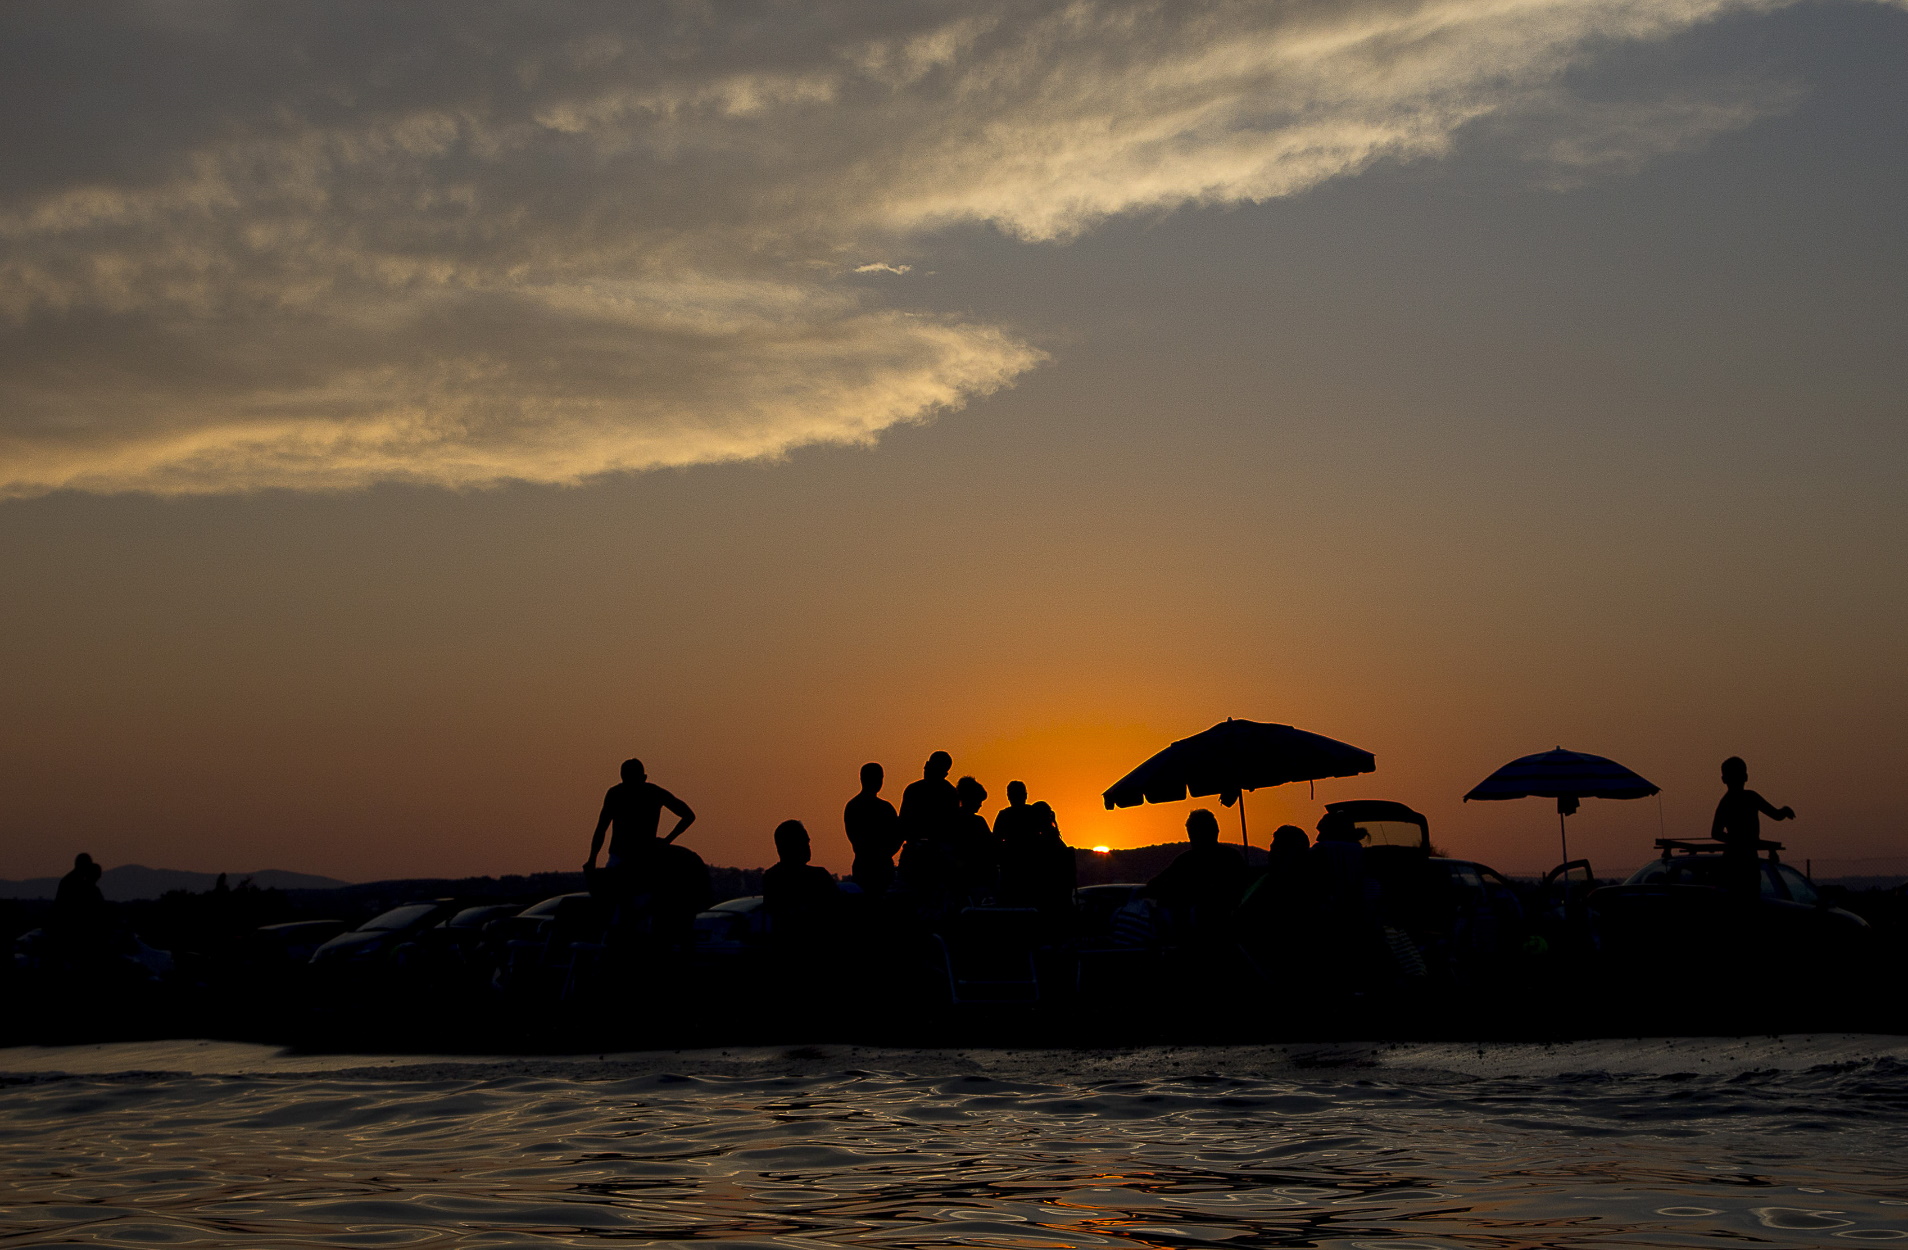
(1566, 776)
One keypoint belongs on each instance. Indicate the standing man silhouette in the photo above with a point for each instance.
(929, 808)
(634, 808)
(1738, 826)
(874, 830)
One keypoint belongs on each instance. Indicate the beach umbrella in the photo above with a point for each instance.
(1235, 756)
(1566, 776)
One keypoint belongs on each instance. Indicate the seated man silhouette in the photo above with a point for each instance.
(1275, 916)
(80, 918)
(632, 810)
(1738, 826)
(800, 898)
(874, 831)
(78, 893)
(1201, 887)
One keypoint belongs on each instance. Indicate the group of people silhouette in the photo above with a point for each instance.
(948, 854)
(942, 854)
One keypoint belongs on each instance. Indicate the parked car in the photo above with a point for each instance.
(459, 950)
(550, 947)
(374, 941)
(1466, 921)
(294, 942)
(1678, 915)
(731, 927)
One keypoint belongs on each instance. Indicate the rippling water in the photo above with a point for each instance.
(1787, 1141)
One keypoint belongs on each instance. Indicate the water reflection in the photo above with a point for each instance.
(477, 1160)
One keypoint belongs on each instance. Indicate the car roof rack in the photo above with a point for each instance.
(1666, 845)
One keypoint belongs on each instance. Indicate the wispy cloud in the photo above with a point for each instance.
(318, 245)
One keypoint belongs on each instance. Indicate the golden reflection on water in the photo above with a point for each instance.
(897, 1161)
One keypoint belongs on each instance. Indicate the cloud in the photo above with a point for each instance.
(316, 245)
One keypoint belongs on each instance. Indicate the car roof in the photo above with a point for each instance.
(548, 906)
(747, 902)
(1378, 809)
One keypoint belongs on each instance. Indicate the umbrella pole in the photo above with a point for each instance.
(1563, 838)
(1244, 840)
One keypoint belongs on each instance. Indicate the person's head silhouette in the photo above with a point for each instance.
(1735, 773)
(970, 794)
(82, 860)
(1044, 818)
(633, 772)
(1016, 793)
(1202, 827)
(871, 778)
(938, 766)
(791, 842)
(1290, 837)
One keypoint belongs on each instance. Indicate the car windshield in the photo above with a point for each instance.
(472, 917)
(398, 918)
(548, 907)
(1391, 833)
(1465, 876)
(1801, 889)
(745, 904)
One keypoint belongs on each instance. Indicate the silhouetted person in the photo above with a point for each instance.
(799, 897)
(874, 830)
(1288, 867)
(79, 909)
(1203, 885)
(633, 808)
(1016, 841)
(1015, 823)
(929, 809)
(1342, 898)
(1054, 872)
(1738, 826)
(78, 892)
(1036, 867)
(973, 842)
(1275, 916)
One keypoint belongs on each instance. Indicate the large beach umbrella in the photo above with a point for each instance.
(1235, 756)
(1566, 776)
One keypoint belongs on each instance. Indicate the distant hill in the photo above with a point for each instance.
(1140, 863)
(129, 882)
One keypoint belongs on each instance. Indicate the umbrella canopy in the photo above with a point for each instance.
(1236, 755)
(1565, 776)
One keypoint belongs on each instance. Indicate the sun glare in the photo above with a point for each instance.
(1101, 850)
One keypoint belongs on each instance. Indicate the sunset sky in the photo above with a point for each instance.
(407, 412)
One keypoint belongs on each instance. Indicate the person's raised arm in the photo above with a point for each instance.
(596, 839)
(681, 809)
(1774, 813)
